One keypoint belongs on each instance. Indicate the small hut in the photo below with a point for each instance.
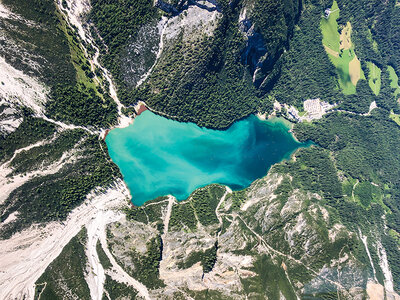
(327, 12)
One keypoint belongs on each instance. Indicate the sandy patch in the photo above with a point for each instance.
(331, 52)
(345, 40)
(355, 70)
(375, 291)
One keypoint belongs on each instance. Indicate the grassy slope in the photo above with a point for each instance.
(395, 117)
(394, 80)
(340, 58)
(374, 79)
(329, 28)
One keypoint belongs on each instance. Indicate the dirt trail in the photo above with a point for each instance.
(261, 239)
(26, 255)
(228, 191)
(171, 202)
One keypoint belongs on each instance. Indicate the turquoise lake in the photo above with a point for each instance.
(158, 156)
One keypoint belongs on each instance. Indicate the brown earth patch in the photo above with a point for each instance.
(355, 70)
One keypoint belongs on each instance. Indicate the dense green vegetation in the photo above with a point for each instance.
(105, 262)
(200, 205)
(364, 148)
(46, 154)
(146, 266)
(314, 172)
(205, 202)
(238, 197)
(367, 193)
(269, 282)
(29, 132)
(56, 57)
(64, 278)
(204, 80)
(183, 217)
(52, 197)
(306, 69)
(80, 105)
(207, 259)
(118, 290)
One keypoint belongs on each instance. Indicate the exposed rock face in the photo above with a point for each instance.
(279, 233)
(267, 34)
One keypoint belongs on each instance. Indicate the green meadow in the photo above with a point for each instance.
(374, 77)
(329, 27)
(343, 58)
(395, 117)
(394, 80)
(349, 70)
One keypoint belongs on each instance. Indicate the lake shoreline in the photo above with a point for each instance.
(176, 158)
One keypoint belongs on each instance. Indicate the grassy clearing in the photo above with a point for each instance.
(345, 37)
(374, 79)
(329, 27)
(349, 70)
(394, 80)
(347, 187)
(340, 50)
(355, 71)
(365, 193)
(79, 61)
(395, 117)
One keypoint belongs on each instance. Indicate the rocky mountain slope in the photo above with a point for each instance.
(322, 225)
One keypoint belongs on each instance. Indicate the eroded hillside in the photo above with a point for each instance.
(322, 225)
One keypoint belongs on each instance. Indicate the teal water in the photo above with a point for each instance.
(158, 156)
